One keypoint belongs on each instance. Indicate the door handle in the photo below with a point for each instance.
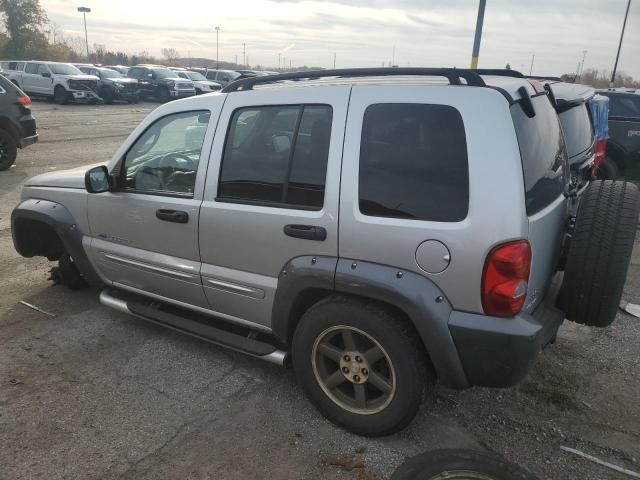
(175, 216)
(306, 232)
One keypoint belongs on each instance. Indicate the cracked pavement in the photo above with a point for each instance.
(95, 394)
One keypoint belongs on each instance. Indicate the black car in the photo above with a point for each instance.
(113, 85)
(17, 126)
(160, 83)
(623, 147)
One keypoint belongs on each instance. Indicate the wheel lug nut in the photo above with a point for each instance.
(345, 369)
(347, 358)
(365, 371)
(358, 359)
(356, 378)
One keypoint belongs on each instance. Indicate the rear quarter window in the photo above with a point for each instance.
(577, 129)
(543, 154)
(413, 163)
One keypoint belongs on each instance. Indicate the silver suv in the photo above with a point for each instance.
(380, 229)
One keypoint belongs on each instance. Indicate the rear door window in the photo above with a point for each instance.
(277, 156)
(32, 68)
(543, 154)
(578, 132)
(413, 163)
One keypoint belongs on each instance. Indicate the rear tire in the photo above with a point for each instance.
(608, 169)
(67, 274)
(60, 96)
(381, 391)
(600, 251)
(107, 96)
(8, 149)
(459, 464)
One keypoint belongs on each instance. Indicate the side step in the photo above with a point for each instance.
(231, 336)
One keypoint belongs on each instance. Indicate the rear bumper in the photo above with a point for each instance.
(498, 352)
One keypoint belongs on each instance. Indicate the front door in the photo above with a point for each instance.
(145, 235)
(273, 180)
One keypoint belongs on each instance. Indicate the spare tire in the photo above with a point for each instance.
(459, 464)
(599, 253)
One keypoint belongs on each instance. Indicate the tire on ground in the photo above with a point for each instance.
(600, 251)
(441, 464)
(401, 344)
(8, 149)
(60, 96)
(67, 274)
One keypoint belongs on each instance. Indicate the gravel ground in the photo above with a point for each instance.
(92, 393)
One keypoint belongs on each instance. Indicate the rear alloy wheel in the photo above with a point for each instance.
(60, 96)
(8, 149)
(600, 251)
(360, 364)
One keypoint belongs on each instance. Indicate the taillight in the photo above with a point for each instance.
(24, 100)
(505, 277)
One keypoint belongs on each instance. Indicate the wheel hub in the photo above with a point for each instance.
(354, 367)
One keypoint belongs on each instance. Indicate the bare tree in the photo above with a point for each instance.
(171, 54)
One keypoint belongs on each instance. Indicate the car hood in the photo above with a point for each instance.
(73, 178)
(80, 77)
(121, 80)
(206, 82)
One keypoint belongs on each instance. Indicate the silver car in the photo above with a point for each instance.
(379, 229)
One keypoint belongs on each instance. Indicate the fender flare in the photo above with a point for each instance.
(60, 220)
(418, 297)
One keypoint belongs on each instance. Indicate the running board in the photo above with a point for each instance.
(240, 339)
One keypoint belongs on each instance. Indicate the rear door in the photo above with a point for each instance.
(271, 193)
(30, 78)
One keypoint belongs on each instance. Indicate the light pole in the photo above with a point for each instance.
(533, 57)
(624, 24)
(584, 54)
(244, 54)
(84, 11)
(217, 48)
(476, 41)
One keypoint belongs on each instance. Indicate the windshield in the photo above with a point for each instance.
(164, 73)
(198, 77)
(64, 69)
(106, 73)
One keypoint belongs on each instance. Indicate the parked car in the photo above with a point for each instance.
(202, 85)
(114, 85)
(61, 82)
(17, 125)
(378, 234)
(623, 148)
(223, 77)
(160, 83)
(118, 68)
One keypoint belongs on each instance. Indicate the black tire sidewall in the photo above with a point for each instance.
(431, 464)
(164, 96)
(387, 330)
(608, 169)
(60, 96)
(107, 96)
(12, 146)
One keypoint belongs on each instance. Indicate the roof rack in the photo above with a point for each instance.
(505, 72)
(454, 75)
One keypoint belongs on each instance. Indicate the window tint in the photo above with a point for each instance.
(32, 68)
(543, 154)
(624, 106)
(42, 68)
(277, 155)
(413, 163)
(166, 156)
(576, 126)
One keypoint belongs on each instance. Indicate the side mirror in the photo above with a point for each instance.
(46, 74)
(96, 180)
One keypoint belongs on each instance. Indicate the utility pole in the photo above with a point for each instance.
(84, 11)
(393, 56)
(279, 57)
(334, 60)
(584, 54)
(217, 48)
(624, 24)
(244, 54)
(533, 57)
(478, 36)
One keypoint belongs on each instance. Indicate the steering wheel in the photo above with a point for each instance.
(173, 160)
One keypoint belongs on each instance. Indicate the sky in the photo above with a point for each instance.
(365, 33)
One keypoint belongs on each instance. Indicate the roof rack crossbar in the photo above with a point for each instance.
(454, 75)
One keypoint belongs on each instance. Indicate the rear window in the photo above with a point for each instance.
(576, 126)
(413, 163)
(624, 105)
(543, 153)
